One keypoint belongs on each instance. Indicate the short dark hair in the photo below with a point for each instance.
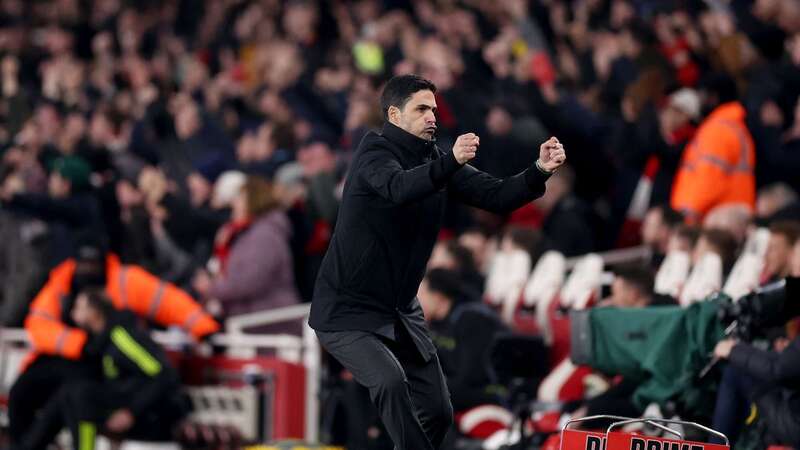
(99, 301)
(465, 262)
(790, 229)
(722, 85)
(446, 282)
(639, 277)
(688, 232)
(400, 88)
(724, 242)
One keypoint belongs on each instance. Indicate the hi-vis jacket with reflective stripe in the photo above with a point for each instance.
(717, 166)
(129, 287)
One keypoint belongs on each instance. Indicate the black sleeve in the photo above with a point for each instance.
(769, 366)
(484, 191)
(142, 357)
(383, 173)
(470, 381)
(47, 208)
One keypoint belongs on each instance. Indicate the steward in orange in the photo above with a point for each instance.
(58, 345)
(718, 165)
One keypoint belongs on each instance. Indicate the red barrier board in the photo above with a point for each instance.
(627, 441)
(289, 383)
(582, 440)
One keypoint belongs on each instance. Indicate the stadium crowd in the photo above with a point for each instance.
(207, 143)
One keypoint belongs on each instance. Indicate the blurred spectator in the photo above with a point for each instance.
(658, 227)
(140, 396)
(777, 259)
(567, 225)
(453, 256)
(463, 331)
(683, 239)
(777, 202)
(478, 243)
(58, 347)
(716, 241)
(632, 288)
(735, 218)
(252, 251)
(718, 164)
(69, 205)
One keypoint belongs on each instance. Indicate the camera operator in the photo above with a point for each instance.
(763, 385)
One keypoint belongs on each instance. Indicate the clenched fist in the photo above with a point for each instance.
(551, 155)
(465, 147)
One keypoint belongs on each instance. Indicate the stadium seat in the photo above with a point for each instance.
(705, 278)
(672, 274)
(542, 288)
(582, 286)
(508, 273)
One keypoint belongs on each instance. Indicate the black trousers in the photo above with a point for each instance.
(409, 391)
(36, 387)
(84, 406)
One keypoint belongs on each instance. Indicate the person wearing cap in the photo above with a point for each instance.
(68, 207)
(58, 346)
(718, 164)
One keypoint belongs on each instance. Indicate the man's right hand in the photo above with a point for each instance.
(465, 147)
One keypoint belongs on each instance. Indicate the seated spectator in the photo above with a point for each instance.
(479, 244)
(58, 347)
(140, 396)
(735, 218)
(716, 241)
(777, 202)
(777, 259)
(463, 331)
(659, 224)
(253, 256)
(683, 239)
(451, 255)
(632, 288)
(762, 385)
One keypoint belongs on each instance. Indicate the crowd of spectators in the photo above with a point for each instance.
(208, 140)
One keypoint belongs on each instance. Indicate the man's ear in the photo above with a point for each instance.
(394, 114)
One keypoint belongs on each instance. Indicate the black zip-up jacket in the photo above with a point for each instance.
(136, 366)
(389, 219)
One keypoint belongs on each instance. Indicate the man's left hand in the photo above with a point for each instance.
(120, 421)
(551, 155)
(723, 348)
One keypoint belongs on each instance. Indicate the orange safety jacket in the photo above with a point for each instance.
(718, 165)
(129, 287)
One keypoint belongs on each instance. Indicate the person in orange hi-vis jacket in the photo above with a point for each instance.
(59, 348)
(718, 165)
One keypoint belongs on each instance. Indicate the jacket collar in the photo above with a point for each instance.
(407, 141)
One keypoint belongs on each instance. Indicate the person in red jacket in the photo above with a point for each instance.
(58, 344)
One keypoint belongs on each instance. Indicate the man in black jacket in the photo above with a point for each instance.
(365, 309)
(140, 395)
(762, 384)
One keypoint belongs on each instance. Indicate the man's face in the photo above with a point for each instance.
(623, 295)
(82, 312)
(776, 259)
(418, 116)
